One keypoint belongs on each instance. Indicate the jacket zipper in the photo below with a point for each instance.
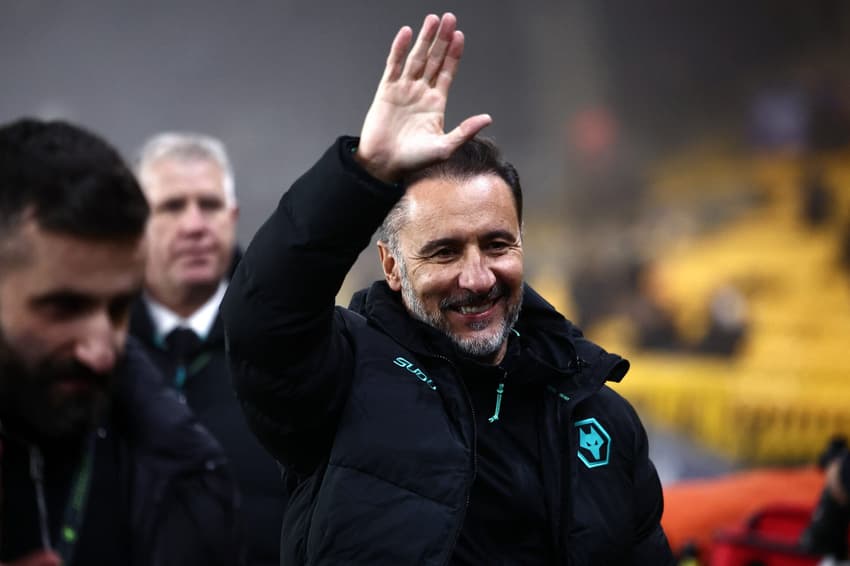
(499, 390)
(474, 447)
(451, 546)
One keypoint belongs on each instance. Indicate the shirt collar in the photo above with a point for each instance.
(201, 321)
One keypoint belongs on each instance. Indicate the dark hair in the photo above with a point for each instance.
(72, 181)
(478, 156)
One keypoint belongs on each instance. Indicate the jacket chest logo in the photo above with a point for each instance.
(415, 372)
(594, 443)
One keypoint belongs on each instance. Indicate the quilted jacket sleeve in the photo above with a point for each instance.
(288, 345)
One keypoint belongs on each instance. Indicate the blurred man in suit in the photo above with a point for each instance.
(191, 236)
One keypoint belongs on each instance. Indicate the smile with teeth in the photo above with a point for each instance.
(475, 309)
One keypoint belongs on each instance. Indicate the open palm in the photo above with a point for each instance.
(404, 128)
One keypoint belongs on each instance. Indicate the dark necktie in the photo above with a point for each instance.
(184, 345)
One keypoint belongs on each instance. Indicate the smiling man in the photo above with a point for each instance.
(90, 438)
(453, 248)
(450, 415)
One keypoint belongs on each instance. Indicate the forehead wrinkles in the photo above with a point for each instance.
(421, 217)
(102, 265)
(464, 209)
(170, 176)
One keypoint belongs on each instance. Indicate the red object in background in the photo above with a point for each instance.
(593, 132)
(695, 510)
(768, 538)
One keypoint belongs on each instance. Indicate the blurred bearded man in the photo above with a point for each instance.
(101, 464)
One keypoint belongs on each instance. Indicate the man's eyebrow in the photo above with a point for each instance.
(73, 296)
(172, 199)
(500, 235)
(433, 245)
(60, 295)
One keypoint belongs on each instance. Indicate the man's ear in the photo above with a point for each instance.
(390, 266)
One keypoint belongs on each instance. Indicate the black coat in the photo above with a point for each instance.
(370, 408)
(208, 390)
(178, 500)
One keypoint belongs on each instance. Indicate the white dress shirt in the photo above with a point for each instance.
(201, 321)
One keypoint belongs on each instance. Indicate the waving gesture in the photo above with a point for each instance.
(403, 130)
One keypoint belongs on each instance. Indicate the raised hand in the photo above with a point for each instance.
(403, 130)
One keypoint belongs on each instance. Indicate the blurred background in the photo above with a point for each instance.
(686, 169)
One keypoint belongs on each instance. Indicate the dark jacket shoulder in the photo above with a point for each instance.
(183, 497)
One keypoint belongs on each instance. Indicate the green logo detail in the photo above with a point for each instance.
(415, 371)
(594, 444)
(558, 393)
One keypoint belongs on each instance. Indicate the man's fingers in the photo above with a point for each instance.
(445, 35)
(450, 63)
(419, 54)
(395, 60)
(467, 130)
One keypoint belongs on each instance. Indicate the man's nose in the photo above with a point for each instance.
(97, 349)
(476, 274)
(193, 218)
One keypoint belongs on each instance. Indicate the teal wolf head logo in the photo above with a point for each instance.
(594, 445)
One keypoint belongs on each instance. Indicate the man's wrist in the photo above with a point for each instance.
(376, 167)
(355, 158)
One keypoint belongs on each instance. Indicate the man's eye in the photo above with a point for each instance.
(210, 204)
(119, 308)
(63, 309)
(444, 253)
(172, 206)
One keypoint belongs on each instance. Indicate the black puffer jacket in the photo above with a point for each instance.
(370, 410)
(184, 499)
(178, 497)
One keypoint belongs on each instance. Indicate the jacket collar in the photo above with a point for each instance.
(553, 349)
(143, 328)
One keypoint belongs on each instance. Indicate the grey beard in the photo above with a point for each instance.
(473, 346)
